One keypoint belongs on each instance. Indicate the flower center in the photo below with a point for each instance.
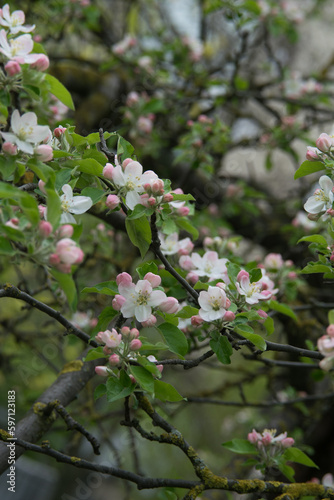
(65, 205)
(142, 299)
(24, 132)
(215, 304)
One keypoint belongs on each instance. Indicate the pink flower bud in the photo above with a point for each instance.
(151, 201)
(324, 142)
(287, 442)
(45, 228)
(157, 187)
(292, 275)
(114, 360)
(125, 331)
(330, 330)
(170, 306)
(262, 314)
(108, 171)
(229, 316)
(12, 68)
(102, 371)
(183, 211)
(266, 439)
(41, 210)
(126, 162)
(196, 320)
(151, 321)
(118, 302)
(135, 344)
(134, 333)
(133, 380)
(54, 259)
(58, 132)
(312, 154)
(154, 279)
(330, 212)
(124, 279)
(112, 201)
(107, 350)
(9, 148)
(253, 437)
(167, 198)
(44, 152)
(65, 231)
(241, 274)
(41, 185)
(42, 63)
(192, 277)
(186, 263)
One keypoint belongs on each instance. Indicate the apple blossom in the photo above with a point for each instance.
(45, 228)
(139, 299)
(209, 265)
(118, 301)
(273, 261)
(114, 360)
(110, 338)
(42, 63)
(330, 330)
(12, 68)
(14, 22)
(65, 231)
(154, 279)
(170, 306)
(252, 291)
(124, 278)
(112, 201)
(59, 131)
(213, 304)
(9, 148)
(324, 142)
(102, 371)
(135, 344)
(312, 154)
(44, 152)
(73, 204)
(26, 132)
(322, 199)
(151, 321)
(108, 171)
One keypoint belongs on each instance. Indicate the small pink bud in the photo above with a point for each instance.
(41, 210)
(262, 313)
(292, 275)
(330, 212)
(287, 442)
(126, 163)
(108, 171)
(114, 360)
(168, 197)
(229, 316)
(125, 330)
(330, 330)
(107, 350)
(151, 201)
(154, 279)
(118, 302)
(183, 211)
(65, 231)
(324, 142)
(58, 132)
(102, 371)
(9, 148)
(134, 333)
(44, 152)
(186, 263)
(158, 187)
(196, 320)
(242, 274)
(312, 154)
(42, 63)
(135, 344)
(45, 228)
(192, 277)
(41, 185)
(123, 278)
(112, 201)
(151, 321)
(12, 68)
(170, 306)
(54, 259)
(133, 380)
(253, 437)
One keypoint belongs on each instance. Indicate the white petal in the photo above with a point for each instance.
(142, 313)
(68, 192)
(326, 184)
(314, 206)
(156, 298)
(80, 204)
(67, 218)
(132, 199)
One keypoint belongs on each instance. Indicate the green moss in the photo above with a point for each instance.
(72, 366)
(4, 435)
(75, 460)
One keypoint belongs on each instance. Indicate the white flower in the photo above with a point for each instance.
(131, 180)
(170, 245)
(18, 49)
(213, 303)
(322, 199)
(252, 291)
(209, 265)
(73, 204)
(26, 132)
(15, 21)
(140, 298)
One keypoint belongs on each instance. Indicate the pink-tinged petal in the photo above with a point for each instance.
(197, 259)
(143, 286)
(211, 257)
(211, 315)
(127, 290)
(156, 298)
(142, 313)
(326, 184)
(148, 176)
(133, 169)
(18, 17)
(118, 176)
(204, 300)
(80, 204)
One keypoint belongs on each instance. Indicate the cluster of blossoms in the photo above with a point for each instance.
(17, 50)
(171, 245)
(120, 48)
(70, 204)
(296, 87)
(139, 188)
(291, 9)
(141, 122)
(321, 203)
(268, 439)
(138, 300)
(326, 347)
(120, 348)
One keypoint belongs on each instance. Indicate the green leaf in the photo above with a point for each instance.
(105, 317)
(58, 90)
(298, 456)
(94, 138)
(184, 224)
(53, 205)
(158, 346)
(117, 389)
(90, 166)
(143, 377)
(182, 197)
(100, 391)
(223, 349)
(187, 312)
(139, 211)
(67, 284)
(255, 275)
(313, 267)
(248, 332)
(269, 325)
(139, 232)
(93, 193)
(96, 155)
(27, 202)
(147, 267)
(95, 354)
(283, 309)
(166, 392)
(287, 471)
(42, 171)
(331, 317)
(309, 167)
(11, 233)
(106, 288)
(242, 446)
(175, 339)
(314, 238)
(6, 247)
(124, 149)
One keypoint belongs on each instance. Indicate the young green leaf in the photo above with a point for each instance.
(242, 446)
(174, 338)
(222, 349)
